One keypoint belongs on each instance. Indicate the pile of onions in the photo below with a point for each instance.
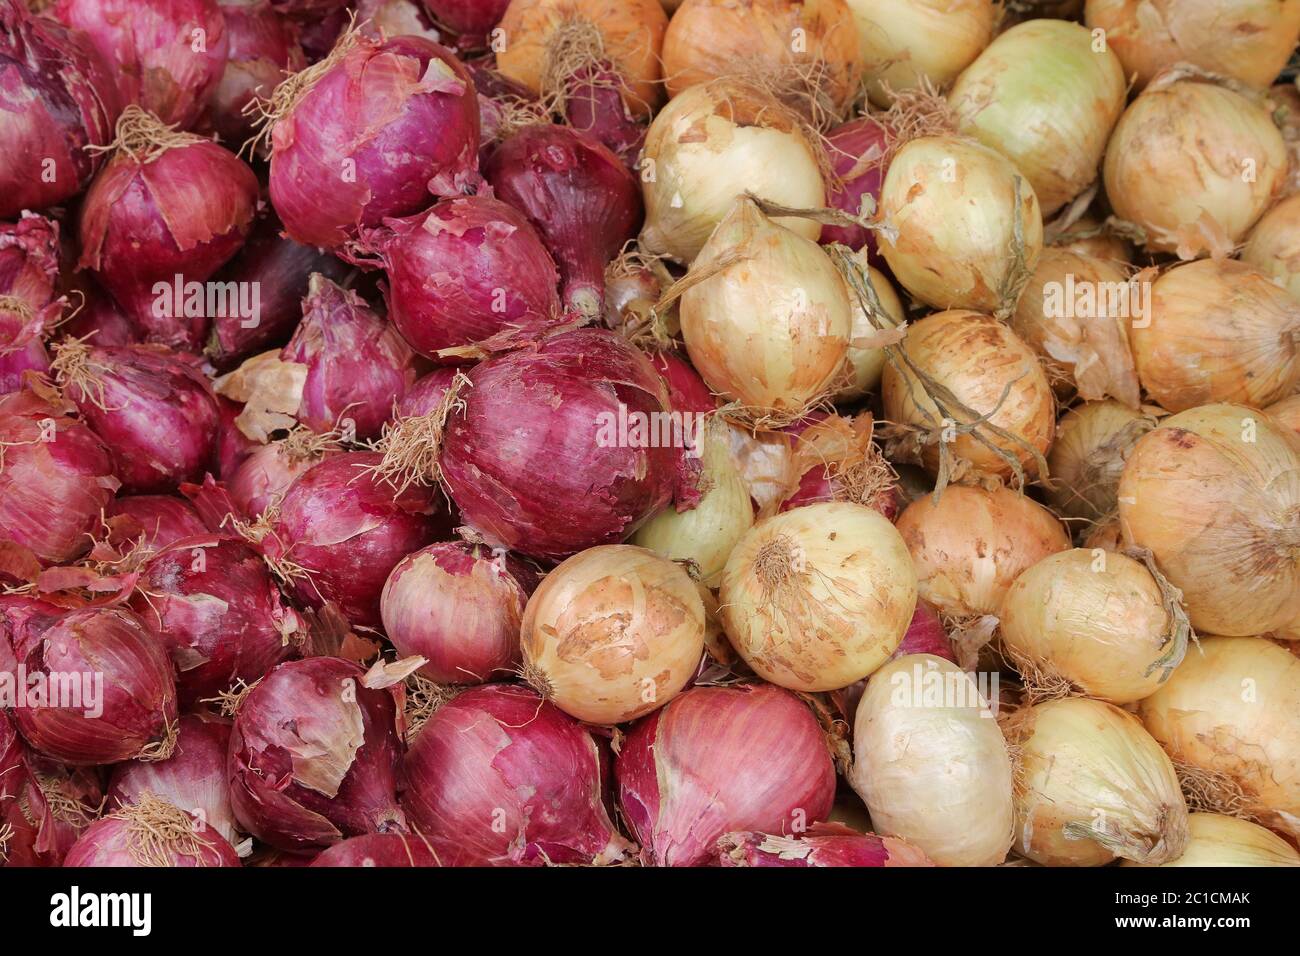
(341, 529)
(128, 693)
(151, 832)
(858, 152)
(468, 270)
(1093, 441)
(261, 48)
(380, 849)
(153, 521)
(834, 460)
(1217, 840)
(711, 144)
(1221, 163)
(824, 844)
(578, 195)
(931, 764)
(370, 131)
(458, 605)
(262, 478)
(1243, 39)
(55, 477)
(867, 361)
(537, 795)
(961, 224)
(767, 321)
(1214, 494)
(167, 205)
(973, 543)
(1227, 718)
(721, 759)
(151, 406)
(1274, 244)
(314, 756)
(1220, 331)
(29, 296)
(906, 42)
(613, 633)
(1093, 786)
(1044, 97)
(989, 370)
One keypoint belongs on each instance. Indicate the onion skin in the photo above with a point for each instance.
(686, 390)
(113, 842)
(380, 849)
(717, 760)
(1274, 243)
(470, 20)
(424, 397)
(101, 317)
(866, 365)
(1217, 840)
(157, 521)
(48, 805)
(825, 844)
(261, 48)
(499, 777)
(1093, 441)
(265, 475)
(857, 151)
(315, 757)
(1286, 413)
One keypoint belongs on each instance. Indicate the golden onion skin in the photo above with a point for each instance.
(1286, 413)
(867, 364)
(1218, 840)
(1274, 245)
(1093, 441)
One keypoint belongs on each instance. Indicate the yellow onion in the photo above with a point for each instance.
(1093, 441)
(767, 319)
(1286, 413)
(818, 597)
(1218, 840)
(1045, 97)
(1093, 786)
(1075, 312)
(1220, 331)
(1091, 622)
(713, 143)
(970, 546)
(977, 359)
(931, 764)
(1214, 494)
(1108, 535)
(765, 460)
(962, 226)
(1286, 102)
(1274, 244)
(811, 44)
(866, 363)
(705, 534)
(613, 633)
(1193, 165)
(904, 42)
(1249, 40)
(1089, 236)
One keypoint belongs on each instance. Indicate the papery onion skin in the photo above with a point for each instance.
(1214, 494)
(265, 475)
(868, 364)
(402, 18)
(47, 804)
(381, 850)
(857, 151)
(1089, 236)
(613, 633)
(157, 521)
(315, 756)
(470, 20)
(1274, 244)
(118, 840)
(1218, 840)
(717, 760)
(1286, 413)
(261, 48)
(29, 260)
(824, 844)
(686, 390)
(458, 605)
(101, 317)
(1092, 443)
(22, 348)
(499, 777)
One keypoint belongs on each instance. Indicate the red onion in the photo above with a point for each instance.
(839, 462)
(165, 213)
(686, 390)
(99, 318)
(579, 195)
(151, 832)
(156, 521)
(265, 475)
(467, 270)
(55, 477)
(46, 805)
(60, 96)
(857, 155)
(167, 56)
(458, 605)
(22, 346)
(825, 844)
(594, 105)
(114, 681)
(380, 849)
(719, 759)
(314, 756)
(262, 48)
(372, 131)
(470, 20)
(233, 447)
(29, 260)
(501, 104)
(151, 407)
(318, 29)
(346, 529)
(498, 777)
(424, 397)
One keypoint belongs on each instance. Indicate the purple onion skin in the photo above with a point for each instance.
(380, 849)
(262, 47)
(158, 521)
(857, 174)
(595, 106)
(424, 397)
(299, 709)
(823, 845)
(470, 20)
(232, 447)
(585, 203)
(100, 318)
(22, 350)
(41, 837)
(686, 390)
(108, 842)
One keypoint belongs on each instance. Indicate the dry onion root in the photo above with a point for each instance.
(866, 358)
(1093, 441)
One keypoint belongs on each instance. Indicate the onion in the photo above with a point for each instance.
(594, 105)
(579, 196)
(458, 606)
(29, 262)
(100, 317)
(1226, 717)
(22, 348)
(1274, 245)
(1214, 494)
(370, 131)
(424, 397)
(818, 597)
(867, 363)
(55, 113)
(151, 406)
(1246, 39)
(825, 844)
(962, 224)
(46, 808)
(836, 461)
(1093, 786)
(686, 390)
(721, 759)
(150, 832)
(1286, 413)
(1093, 441)
(265, 475)
(469, 269)
(318, 29)
(380, 849)
(767, 320)
(314, 756)
(905, 42)
(713, 143)
(233, 447)
(166, 212)
(262, 48)
(55, 477)
(470, 20)
(931, 764)
(1089, 236)
(858, 152)
(536, 791)
(1221, 162)
(394, 18)
(973, 543)
(1217, 840)
(154, 521)
(1043, 96)
(991, 372)
(612, 634)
